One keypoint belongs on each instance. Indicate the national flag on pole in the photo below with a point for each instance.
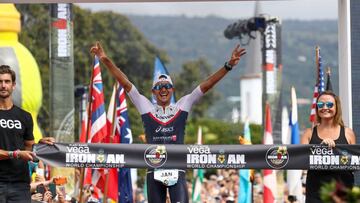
(321, 75)
(159, 68)
(268, 138)
(328, 82)
(295, 132)
(198, 175)
(270, 185)
(120, 186)
(112, 137)
(98, 125)
(320, 84)
(313, 105)
(294, 176)
(98, 116)
(123, 127)
(99, 128)
(285, 138)
(245, 185)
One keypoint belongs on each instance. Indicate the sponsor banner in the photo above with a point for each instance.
(61, 63)
(317, 157)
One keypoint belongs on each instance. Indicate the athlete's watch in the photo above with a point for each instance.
(227, 66)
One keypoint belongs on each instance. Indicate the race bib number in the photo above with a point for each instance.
(168, 177)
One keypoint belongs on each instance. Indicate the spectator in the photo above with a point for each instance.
(330, 131)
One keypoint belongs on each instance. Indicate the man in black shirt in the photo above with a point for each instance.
(16, 140)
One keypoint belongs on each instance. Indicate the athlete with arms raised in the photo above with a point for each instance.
(164, 122)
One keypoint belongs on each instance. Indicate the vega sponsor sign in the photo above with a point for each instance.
(201, 156)
(341, 158)
(318, 157)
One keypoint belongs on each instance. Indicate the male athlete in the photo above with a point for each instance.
(164, 122)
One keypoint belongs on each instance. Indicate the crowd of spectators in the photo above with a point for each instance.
(219, 187)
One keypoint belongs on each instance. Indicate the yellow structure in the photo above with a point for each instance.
(28, 93)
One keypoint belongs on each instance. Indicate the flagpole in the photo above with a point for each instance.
(82, 170)
(112, 135)
(317, 53)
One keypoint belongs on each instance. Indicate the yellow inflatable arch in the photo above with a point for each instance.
(28, 92)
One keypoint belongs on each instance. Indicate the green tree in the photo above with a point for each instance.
(127, 47)
(35, 37)
(220, 132)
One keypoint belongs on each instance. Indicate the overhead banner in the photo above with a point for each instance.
(317, 157)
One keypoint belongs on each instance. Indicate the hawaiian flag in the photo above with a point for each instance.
(320, 84)
(98, 125)
(98, 128)
(270, 185)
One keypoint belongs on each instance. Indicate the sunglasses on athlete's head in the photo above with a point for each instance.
(321, 105)
(160, 86)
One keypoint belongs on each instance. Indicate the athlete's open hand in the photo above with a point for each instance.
(98, 50)
(236, 55)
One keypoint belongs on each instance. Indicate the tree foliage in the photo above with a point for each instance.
(220, 132)
(192, 74)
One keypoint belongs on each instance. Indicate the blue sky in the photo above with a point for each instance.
(295, 9)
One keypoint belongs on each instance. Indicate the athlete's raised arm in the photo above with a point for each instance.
(114, 70)
(218, 75)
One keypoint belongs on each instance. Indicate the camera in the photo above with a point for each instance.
(52, 188)
(40, 189)
(242, 28)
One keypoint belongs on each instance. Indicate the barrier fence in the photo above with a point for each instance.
(319, 157)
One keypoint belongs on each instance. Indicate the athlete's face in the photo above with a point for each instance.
(163, 92)
(7, 86)
(326, 106)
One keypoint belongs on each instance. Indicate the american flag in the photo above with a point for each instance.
(321, 75)
(320, 85)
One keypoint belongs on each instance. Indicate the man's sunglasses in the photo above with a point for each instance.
(160, 86)
(320, 105)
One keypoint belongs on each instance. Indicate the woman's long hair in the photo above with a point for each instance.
(338, 115)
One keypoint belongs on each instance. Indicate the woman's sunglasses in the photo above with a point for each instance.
(321, 105)
(160, 86)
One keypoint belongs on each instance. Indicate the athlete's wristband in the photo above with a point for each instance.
(11, 154)
(16, 154)
(227, 66)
